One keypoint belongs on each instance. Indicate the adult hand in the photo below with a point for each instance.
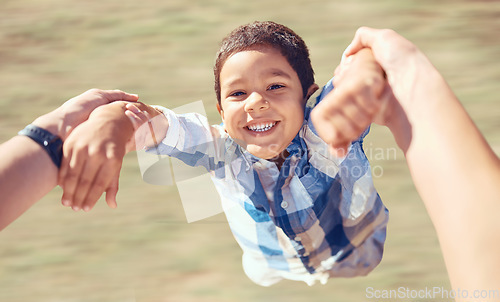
(400, 58)
(410, 75)
(26, 171)
(359, 96)
(73, 112)
(94, 152)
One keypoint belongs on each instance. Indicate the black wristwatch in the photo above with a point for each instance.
(51, 143)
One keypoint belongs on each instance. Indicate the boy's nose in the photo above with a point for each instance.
(256, 102)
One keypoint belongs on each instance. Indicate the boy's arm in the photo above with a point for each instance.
(94, 152)
(350, 108)
(454, 170)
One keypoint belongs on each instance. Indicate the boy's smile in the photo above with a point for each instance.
(262, 101)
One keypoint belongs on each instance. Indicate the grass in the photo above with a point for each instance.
(52, 50)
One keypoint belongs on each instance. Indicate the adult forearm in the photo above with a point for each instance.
(457, 175)
(454, 170)
(27, 173)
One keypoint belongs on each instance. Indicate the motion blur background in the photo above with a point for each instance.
(52, 50)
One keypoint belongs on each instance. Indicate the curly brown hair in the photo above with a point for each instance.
(266, 33)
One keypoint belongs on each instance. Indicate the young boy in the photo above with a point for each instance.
(297, 211)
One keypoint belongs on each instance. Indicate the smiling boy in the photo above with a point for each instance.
(261, 100)
(297, 211)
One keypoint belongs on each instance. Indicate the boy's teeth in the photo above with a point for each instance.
(261, 127)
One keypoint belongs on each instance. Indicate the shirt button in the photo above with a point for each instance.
(297, 238)
(284, 204)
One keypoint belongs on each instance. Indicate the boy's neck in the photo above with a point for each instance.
(280, 158)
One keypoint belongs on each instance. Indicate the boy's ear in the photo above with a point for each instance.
(312, 89)
(221, 112)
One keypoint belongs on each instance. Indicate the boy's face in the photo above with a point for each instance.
(262, 101)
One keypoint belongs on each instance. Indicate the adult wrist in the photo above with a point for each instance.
(53, 122)
(52, 144)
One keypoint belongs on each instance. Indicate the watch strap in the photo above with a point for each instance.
(51, 143)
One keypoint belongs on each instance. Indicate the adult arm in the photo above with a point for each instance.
(27, 172)
(454, 169)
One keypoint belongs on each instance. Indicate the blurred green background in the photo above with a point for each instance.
(51, 50)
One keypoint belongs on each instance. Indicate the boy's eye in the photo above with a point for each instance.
(275, 86)
(237, 93)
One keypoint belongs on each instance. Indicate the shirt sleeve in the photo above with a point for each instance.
(189, 155)
(192, 140)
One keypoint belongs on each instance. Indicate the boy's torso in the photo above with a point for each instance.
(318, 216)
(300, 222)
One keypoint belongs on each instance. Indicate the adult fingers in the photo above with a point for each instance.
(387, 101)
(85, 182)
(102, 180)
(364, 37)
(63, 171)
(391, 50)
(96, 97)
(97, 177)
(70, 178)
(116, 95)
(112, 191)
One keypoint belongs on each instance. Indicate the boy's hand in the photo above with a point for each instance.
(93, 155)
(357, 100)
(149, 130)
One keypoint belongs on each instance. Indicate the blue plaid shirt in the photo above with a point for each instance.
(317, 217)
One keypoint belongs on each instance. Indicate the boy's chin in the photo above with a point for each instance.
(267, 152)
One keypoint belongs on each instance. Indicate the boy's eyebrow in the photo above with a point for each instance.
(278, 72)
(232, 81)
(270, 72)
